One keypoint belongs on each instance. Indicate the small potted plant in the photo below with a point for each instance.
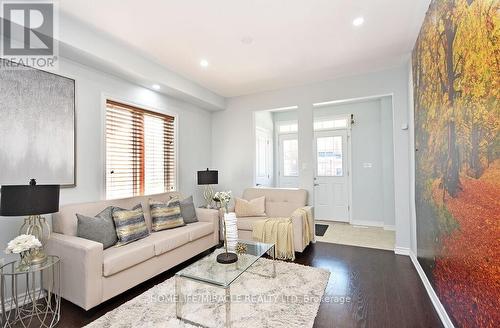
(23, 245)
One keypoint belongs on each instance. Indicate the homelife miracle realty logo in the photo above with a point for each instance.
(29, 31)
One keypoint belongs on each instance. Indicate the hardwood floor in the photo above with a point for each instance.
(367, 288)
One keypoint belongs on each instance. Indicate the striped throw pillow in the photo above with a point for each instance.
(130, 224)
(166, 215)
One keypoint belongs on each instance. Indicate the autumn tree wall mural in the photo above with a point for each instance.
(456, 73)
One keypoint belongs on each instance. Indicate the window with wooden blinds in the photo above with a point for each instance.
(140, 151)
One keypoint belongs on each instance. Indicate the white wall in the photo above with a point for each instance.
(371, 142)
(194, 136)
(233, 136)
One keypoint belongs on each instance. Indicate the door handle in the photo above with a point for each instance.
(316, 184)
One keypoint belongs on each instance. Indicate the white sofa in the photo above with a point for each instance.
(91, 275)
(280, 202)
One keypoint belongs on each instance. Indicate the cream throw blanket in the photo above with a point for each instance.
(307, 223)
(279, 231)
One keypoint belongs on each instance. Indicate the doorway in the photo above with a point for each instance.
(276, 161)
(354, 172)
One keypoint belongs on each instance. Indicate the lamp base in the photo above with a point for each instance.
(37, 226)
(208, 194)
(227, 258)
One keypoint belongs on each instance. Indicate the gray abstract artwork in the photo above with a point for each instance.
(37, 127)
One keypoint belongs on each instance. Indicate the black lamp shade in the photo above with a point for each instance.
(29, 200)
(208, 177)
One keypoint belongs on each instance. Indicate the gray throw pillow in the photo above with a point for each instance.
(188, 211)
(100, 228)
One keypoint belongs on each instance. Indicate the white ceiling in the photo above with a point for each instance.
(294, 41)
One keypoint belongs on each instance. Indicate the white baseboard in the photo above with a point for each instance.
(445, 319)
(367, 223)
(390, 227)
(402, 251)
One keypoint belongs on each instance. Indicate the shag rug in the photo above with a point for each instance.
(290, 300)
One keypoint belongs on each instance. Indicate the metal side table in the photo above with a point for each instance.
(30, 296)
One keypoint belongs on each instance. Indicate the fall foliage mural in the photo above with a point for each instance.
(456, 73)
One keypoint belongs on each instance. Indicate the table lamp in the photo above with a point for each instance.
(31, 200)
(208, 178)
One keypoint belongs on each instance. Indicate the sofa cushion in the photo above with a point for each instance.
(166, 215)
(281, 209)
(167, 240)
(130, 224)
(254, 207)
(200, 229)
(247, 223)
(100, 228)
(188, 211)
(117, 259)
(280, 202)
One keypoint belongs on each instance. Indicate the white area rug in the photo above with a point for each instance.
(290, 300)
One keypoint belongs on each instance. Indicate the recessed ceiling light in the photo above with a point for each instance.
(247, 39)
(156, 86)
(203, 63)
(358, 21)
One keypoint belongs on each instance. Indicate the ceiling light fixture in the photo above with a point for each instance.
(358, 21)
(156, 86)
(247, 40)
(203, 63)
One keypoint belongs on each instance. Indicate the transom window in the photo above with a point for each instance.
(330, 124)
(288, 127)
(140, 152)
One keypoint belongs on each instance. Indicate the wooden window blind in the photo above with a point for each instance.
(140, 151)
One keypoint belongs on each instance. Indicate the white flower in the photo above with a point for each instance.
(223, 197)
(22, 243)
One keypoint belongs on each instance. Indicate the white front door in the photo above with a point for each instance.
(264, 157)
(331, 184)
(288, 161)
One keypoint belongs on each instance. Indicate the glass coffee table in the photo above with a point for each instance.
(207, 271)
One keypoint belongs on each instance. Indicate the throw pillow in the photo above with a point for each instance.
(254, 207)
(188, 210)
(130, 224)
(100, 228)
(166, 215)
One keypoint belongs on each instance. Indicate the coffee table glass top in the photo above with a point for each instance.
(210, 271)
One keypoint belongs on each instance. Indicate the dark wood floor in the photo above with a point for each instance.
(367, 288)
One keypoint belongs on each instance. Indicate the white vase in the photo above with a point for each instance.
(231, 231)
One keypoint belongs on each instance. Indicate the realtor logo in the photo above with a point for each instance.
(28, 34)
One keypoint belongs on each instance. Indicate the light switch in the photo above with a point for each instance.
(367, 165)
